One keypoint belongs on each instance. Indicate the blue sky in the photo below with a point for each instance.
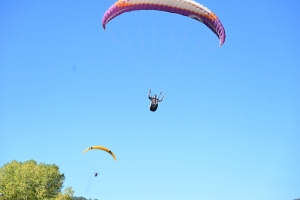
(228, 128)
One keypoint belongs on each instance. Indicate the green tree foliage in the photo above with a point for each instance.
(31, 181)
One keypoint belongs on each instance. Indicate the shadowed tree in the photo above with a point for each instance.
(79, 198)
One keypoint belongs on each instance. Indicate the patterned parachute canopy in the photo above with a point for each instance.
(189, 8)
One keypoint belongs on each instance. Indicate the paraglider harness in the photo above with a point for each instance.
(154, 101)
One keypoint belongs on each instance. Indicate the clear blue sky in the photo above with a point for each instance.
(228, 128)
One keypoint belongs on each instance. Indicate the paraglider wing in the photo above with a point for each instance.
(189, 8)
(100, 148)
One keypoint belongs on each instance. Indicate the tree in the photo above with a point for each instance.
(82, 198)
(31, 181)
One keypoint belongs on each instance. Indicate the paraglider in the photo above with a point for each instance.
(154, 101)
(188, 8)
(101, 148)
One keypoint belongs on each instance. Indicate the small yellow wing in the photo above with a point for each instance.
(100, 148)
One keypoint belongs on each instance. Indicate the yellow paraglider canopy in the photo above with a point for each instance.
(101, 148)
